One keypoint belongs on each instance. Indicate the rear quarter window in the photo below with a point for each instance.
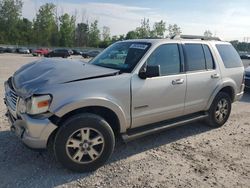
(229, 55)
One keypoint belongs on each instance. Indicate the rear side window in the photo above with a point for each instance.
(229, 55)
(209, 57)
(194, 57)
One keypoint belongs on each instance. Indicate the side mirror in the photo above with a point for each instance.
(149, 71)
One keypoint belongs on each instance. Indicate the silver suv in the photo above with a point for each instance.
(133, 88)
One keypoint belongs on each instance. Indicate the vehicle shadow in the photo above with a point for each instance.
(22, 167)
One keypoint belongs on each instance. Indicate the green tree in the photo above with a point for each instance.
(144, 30)
(106, 33)
(94, 34)
(208, 33)
(132, 35)
(67, 29)
(173, 30)
(159, 29)
(81, 34)
(10, 13)
(24, 28)
(45, 27)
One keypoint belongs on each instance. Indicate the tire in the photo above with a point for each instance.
(89, 154)
(220, 110)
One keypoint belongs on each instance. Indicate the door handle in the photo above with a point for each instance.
(214, 76)
(178, 81)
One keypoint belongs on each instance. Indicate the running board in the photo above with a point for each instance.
(162, 126)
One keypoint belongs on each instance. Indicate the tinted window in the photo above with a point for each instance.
(194, 57)
(229, 55)
(167, 56)
(209, 57)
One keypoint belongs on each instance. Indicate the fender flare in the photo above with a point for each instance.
(124, 122)
(219, 88)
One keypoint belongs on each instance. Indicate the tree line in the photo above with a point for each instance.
(50, 29)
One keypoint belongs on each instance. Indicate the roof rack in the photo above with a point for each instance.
(194, 37)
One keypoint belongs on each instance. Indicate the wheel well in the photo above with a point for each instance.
(229, 90)
(105, 113)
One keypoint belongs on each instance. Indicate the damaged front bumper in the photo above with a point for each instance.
(33, 132)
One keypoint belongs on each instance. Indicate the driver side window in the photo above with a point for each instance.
(168, 57)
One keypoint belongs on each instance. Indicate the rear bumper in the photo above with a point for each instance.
(32, 132)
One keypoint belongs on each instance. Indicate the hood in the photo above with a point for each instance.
(45, 72)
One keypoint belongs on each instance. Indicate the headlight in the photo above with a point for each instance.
(38, 104)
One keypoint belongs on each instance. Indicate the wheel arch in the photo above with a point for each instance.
(228, 88)
(110, 111)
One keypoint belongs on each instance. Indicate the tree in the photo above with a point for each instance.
(106, 33)
(67, 29)
(45, 27)
(81, 35)
(94, 34)
(10, 13)
(173, 30)
(132, 35)
(144, 30)
(159, 29)
(24, 28)
(208, 33)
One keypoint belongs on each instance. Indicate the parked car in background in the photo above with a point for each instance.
(77, 52)
(23, 50)
(40, 52)
(2, 49)
(64, 53)
(244, 55)
(90, 54)
(10, 50)
(70, 52)
(247, 78)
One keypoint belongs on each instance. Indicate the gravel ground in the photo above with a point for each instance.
(189, 156)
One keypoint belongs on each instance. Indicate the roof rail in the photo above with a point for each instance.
(194, 37)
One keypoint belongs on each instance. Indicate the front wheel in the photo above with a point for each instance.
(84, 143)
(220, 110)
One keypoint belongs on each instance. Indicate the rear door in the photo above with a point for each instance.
(203, 76)
(159, 98)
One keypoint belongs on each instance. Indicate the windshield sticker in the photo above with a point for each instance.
(139, 46)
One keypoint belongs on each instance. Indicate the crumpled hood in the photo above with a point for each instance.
(45, 72)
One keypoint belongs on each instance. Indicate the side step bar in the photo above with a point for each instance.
(158, 127)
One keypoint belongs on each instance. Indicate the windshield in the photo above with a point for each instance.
(122, 55)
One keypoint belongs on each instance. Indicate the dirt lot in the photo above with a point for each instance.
(188, 156)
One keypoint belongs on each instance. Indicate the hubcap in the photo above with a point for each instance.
(221, 110)
(85, 145)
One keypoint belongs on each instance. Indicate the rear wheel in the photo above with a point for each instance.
(84, 142)
(220, 110)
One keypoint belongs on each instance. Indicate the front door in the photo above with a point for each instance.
(159, 98)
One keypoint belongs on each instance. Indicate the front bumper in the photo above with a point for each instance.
(33, 132)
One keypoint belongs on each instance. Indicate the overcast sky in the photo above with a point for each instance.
(228, 19)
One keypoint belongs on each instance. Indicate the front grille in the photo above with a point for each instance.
(12, 100)
(11, 96)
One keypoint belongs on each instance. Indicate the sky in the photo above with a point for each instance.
(227, 19)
